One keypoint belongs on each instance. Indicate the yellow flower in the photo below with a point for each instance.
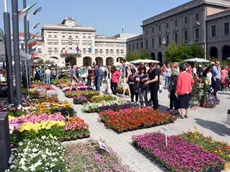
(11, 118)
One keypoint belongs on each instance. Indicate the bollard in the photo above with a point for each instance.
(228, 117)
(4, 142)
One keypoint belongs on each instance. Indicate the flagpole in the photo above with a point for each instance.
(25, 28)
(16, 52)
(5, 5)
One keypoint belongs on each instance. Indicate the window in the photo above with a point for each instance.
(159, 41)
(141, 45)
(226, 28)
(167, 25)
(186, 20)
(76, 37)
(50, 49)
(186, 36)
(197, 32)
(96, 51)
(133, 46)
(159, 27)
(152, 42)
(146, 42)
(83, 36)
(122, 51)
(117, 51)
(213, 30)
(176, 37)
(146, 31)
(55, 49)
(197, 16)
(70, 48)
(84, 50)
(63, 36)
(107, 51)
(137, 46)
(176, 24)
(89, 50)
(89, 37)
(129, 47)
(55, 36)
(39, 50)
(153, 30)
(49, 36)
(101, 51)
(111, 50)
(167, 39)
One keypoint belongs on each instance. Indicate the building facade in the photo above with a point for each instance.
(187, 23)
(71, 44)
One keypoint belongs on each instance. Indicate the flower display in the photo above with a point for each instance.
(40, 154)
(131, 119)
(51, 93)
(89, 157)
(30, 127)
(219, 148)
(80, 99)
(97, 99)
(95, 107)
(178, 155)
(89, 94)
(117, 107)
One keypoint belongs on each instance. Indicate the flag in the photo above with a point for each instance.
(90, 50)
(164, 41)
(23, 12)
(34, 55)
(34, 48)
(37, 10)
(32, 44)
(77, 49)
(35, 26)
(31, 41)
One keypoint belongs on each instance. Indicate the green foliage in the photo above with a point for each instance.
(97, 99)
(134, 55)
(175, 53)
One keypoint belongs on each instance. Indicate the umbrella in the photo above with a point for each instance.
(144, 61)
(198, 60)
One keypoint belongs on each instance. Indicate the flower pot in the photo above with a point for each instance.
(203, 104)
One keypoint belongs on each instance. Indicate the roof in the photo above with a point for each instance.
(219, 15)
(21, 34)
(184, 7)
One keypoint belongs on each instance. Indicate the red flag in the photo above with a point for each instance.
(32, 44)
(34, 55)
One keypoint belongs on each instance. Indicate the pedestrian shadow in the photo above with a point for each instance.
(220, 129)
(224, 93)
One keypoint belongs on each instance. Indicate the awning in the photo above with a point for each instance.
(23, 55)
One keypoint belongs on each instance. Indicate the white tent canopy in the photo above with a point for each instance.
(23, 55)
(144, 61)
(198, 60)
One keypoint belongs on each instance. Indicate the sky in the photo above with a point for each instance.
(106, 16)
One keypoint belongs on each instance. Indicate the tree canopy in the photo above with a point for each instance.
(135, 55)
(175, 53)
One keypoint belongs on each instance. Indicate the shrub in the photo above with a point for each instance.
(97, 99)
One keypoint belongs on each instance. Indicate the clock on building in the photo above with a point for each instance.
(69, 23)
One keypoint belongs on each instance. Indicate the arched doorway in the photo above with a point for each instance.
(213, 52)
(226, 52)
(109, 61)
(153, 56)
(70, 61)
(119, 59)
(99, 61)
(160, 57)
(87, 61)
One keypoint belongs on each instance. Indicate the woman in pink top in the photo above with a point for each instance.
(114, 79)
(183, 90)
(224, 74)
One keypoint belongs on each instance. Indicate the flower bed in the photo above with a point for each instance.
(179, 155)
(36, 126)
(117, 107)
(79, 88)
(80, 100)
(88, 94)
(131, 119)
(40, 154)
(219, 148)
(88, 156)
(95, 107)
(97, 99)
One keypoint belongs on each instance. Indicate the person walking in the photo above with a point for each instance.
(115, 74)
(216, 76)
(47, 73)
(133, 85)
(224, 74)
(172, 89)
(97, 79)
(183, 90)
(168, 73)
(154, 83)
(142, 77)
(37, 75)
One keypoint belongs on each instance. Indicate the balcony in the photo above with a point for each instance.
(70, 53)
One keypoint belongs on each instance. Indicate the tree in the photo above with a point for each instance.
(135, 55)
(175, 53)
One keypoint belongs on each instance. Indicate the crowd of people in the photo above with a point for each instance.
(144, 82)
(45, 75)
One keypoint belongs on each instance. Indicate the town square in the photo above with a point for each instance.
(112, 89)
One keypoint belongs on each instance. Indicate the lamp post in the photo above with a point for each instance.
(8, 53)
(25, 28)
(16, 52)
